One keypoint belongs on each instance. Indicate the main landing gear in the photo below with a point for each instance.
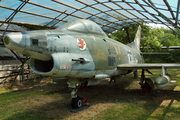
(114, 78)
(146, 83)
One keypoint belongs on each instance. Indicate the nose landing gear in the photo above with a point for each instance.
(78, 101)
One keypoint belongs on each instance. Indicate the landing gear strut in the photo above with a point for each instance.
(146, 83)
(114, 78)
(78, 101)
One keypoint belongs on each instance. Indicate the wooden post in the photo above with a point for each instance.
(22, 70)
(135, 74)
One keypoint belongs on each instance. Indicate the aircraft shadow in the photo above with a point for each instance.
(103, 93)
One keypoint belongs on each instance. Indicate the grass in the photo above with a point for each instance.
(42, 99)
(127, 112)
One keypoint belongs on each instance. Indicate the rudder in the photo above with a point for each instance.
(137, 39)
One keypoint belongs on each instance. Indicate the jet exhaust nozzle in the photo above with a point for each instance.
(162, 81)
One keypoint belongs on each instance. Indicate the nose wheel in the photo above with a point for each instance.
(78, 101)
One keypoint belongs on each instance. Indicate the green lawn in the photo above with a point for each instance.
(41, 100)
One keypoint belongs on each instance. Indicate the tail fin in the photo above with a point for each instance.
(136, 43)
(137, 39)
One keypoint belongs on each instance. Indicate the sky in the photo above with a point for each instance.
(157, 25)
(29, 18)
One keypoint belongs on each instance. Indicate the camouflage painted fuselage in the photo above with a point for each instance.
(82, 53)
(72, 52)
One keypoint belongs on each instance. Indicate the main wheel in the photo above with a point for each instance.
(76, 102)
(149, 83)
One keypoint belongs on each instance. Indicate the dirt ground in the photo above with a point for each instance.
(101, 97)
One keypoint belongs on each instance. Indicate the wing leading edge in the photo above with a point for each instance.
(147, 66)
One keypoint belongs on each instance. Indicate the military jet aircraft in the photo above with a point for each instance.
(81, 52)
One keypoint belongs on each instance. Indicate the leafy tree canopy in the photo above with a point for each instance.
(152, 39)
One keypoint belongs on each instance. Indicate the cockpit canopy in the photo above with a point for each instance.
(82, 25)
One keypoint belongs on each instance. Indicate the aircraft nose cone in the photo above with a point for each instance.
(6, 40)
(14, 41)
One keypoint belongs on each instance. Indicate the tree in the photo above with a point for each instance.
(125, 35)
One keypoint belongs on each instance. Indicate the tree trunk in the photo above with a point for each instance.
(127, 32)
(135, 74)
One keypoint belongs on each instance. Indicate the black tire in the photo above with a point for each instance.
(149, 83)
(76, 102)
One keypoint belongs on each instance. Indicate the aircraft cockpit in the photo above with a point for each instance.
(82, 25)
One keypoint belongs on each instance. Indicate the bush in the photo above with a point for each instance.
(173, 57)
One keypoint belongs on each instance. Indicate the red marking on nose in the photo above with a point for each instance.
(81, 43)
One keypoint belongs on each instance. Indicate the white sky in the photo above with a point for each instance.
(157, 25)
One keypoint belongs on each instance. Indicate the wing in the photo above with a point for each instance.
(146, 66)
